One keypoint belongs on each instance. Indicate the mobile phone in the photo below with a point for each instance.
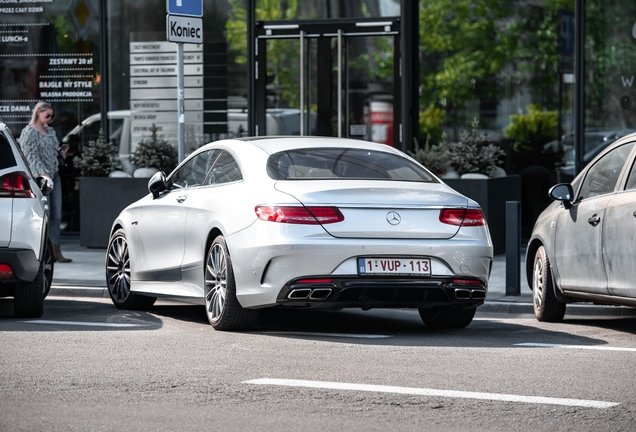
(64, 147)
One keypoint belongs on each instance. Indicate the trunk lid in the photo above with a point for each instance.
(380, 209)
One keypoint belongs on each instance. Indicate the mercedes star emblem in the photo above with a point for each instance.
(393, 218)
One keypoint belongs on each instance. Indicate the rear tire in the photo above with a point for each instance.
(222, 307)
(546, 306)
(29, 296)
(446, 317)
(118, 275)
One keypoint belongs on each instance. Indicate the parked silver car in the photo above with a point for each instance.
(26, 258)
(301, 222)
(582, 245)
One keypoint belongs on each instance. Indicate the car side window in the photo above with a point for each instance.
(631, 179)
(225, 170)
(193, 172)
(601, 178)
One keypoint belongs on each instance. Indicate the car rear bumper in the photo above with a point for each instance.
(23, 262)
(380, 292)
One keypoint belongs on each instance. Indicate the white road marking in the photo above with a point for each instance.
(585, 347)
(434, 392)
(87, 324)
(337, 335)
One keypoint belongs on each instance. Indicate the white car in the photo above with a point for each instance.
(301, 222)
(26, 259)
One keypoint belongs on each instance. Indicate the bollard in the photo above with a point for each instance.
(513, 248)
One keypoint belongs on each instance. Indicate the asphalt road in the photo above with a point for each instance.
(88, 366)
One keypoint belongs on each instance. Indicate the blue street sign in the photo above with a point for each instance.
(192, 8)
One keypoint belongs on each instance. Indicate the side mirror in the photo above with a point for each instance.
(45, 184)
(562, 192)
(157, 184)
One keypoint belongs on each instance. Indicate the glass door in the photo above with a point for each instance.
(328, 79)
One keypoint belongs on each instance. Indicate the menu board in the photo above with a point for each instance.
(47, 52)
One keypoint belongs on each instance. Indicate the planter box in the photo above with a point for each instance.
(491, 194)
(101, 200)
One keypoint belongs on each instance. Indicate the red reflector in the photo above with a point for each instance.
(313, 281)
(299, 215)
(5, 271)
(15, 185)
(467, 281)
(462, 217)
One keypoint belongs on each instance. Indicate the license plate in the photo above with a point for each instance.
(394, 266)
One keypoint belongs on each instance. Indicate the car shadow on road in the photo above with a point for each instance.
(404, 327)
(78, 315)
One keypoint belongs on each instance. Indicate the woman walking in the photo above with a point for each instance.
(41, 149)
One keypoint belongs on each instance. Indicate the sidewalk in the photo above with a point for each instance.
(85, 277)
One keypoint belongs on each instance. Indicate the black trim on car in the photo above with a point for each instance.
(23, 262)
(380, 292)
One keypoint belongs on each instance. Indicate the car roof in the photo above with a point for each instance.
(274, 144)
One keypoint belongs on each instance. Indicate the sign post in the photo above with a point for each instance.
(184, 24)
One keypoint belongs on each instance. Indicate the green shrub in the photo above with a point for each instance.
(154, 153)
(529, 132)
(98, 158)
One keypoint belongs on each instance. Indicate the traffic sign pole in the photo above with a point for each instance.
(180, 103)
(183, 25)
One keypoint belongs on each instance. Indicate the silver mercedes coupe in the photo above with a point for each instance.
(302, 222)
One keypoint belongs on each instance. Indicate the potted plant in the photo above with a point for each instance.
(102, 197)
(154, 155)
(471, 166)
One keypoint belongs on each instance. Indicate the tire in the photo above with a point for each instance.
(546, 306)
(49, 262)
(221, 305)
(447, 318)
(118, 275)
(29, 296)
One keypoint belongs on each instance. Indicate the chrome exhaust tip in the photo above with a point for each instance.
(462, 294)
(299, 294)
(478, 294)
(320, 294)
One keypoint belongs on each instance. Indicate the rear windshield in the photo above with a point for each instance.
(338, 163)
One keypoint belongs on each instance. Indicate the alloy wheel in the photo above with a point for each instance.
(215, 283)
(537, 284)
(118, 269)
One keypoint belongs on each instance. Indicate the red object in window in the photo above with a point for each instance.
(299, 215)
(15, 185)
(462, 217)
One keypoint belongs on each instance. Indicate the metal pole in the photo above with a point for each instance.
(302, 83)
(180, 104)
(579, 84)
(513, 248)
(103, 69)
(339, 83)
(251, 70)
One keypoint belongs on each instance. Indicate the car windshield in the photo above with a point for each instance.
(338, 163)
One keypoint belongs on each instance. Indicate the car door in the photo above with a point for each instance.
(161, 226)
(214, 204)
(579, 233)
(619, 237)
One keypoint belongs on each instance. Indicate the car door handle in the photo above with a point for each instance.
(182, 198)
(594, 220)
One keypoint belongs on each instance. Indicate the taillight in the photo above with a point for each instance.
(313, 281)
(467, 281)
(299, 215)
(15, 185)
(462, 217)
(5, 271)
